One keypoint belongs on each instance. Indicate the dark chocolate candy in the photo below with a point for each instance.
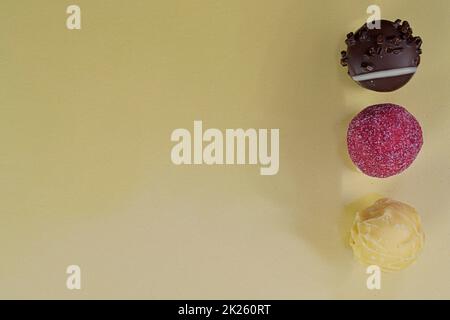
(382, 59)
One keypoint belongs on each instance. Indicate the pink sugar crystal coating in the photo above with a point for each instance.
(383, 140)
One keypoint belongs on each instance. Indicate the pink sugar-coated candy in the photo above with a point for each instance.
(383, 140)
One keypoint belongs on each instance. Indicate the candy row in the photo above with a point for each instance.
(383, 140)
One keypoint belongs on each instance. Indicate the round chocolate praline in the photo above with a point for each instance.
(383, 59)
(383, 140)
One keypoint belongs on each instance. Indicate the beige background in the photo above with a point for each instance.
(86, 176)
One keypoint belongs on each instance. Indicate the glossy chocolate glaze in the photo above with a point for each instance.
(391, 47)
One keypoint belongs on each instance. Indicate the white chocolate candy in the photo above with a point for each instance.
(388, 234)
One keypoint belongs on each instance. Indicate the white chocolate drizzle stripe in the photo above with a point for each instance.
(385, 74)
